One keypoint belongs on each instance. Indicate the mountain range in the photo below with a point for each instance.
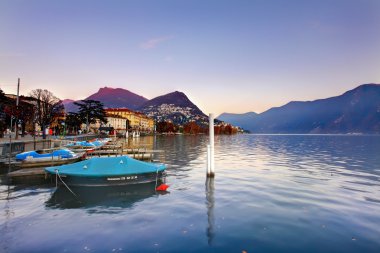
(355, 111)
(175, 106)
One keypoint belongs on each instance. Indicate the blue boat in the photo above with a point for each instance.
(97, 143)
(108, 171)
(63, 153)
(49, 157)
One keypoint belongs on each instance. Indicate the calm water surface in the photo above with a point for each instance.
(271, 193)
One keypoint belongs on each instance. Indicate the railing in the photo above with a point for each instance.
(20, 146)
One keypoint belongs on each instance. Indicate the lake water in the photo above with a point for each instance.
(271, 193)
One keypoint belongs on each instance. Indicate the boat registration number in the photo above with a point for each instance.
(121, 178)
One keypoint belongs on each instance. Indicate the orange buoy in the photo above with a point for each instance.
(162, 187)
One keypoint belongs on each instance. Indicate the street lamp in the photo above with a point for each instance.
(126, 127)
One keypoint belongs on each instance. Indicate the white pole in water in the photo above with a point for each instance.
(208, 159)
(210, 149)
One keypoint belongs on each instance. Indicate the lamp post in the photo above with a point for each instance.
(126, 128)
(17, 103)
(87, 122)
(11, 128)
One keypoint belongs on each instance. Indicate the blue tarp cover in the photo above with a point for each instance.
(81, 143)
(107, 166)
(63, 153)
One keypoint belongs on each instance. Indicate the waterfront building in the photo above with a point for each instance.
(117, 118)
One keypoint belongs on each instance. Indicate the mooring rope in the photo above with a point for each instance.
(155, 188)
(57, 173)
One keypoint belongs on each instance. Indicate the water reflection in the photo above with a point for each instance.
(8, 214)
(181, 150)
(111, 196)
(210, 203)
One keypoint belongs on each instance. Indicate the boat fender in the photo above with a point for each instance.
(162, 187)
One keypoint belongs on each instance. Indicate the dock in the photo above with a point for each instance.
(19, 174)
(29, 175)
(27, 172)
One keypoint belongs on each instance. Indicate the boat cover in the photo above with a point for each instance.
(81, 144)
(63, 153)
(107, 166)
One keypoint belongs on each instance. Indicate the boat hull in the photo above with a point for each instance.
(86, 197)
(114, 180)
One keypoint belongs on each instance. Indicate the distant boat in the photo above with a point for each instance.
(135, 134)
(82, 146)
(108, 171)
(49, 157)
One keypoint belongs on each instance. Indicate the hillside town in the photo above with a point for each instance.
(174, 113)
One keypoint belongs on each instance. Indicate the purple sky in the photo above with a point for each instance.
(233, 56)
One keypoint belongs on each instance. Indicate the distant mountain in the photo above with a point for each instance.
(242, 120)
(67, 101)
(174, 106)
(69, 105)
(113, 98)
(118, 98)
(355, 111)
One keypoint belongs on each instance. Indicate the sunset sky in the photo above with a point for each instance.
(227, 56)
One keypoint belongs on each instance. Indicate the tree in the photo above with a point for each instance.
(191, 128)
(90, 111)
(73, 121)
(24, 112)
(48, 108)
(3, 102)
(166, 127)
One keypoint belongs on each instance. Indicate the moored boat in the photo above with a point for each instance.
(108, 171)
(40, 158)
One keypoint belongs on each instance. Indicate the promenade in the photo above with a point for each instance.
(25, 138)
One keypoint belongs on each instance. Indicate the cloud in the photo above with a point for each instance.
(152, 43)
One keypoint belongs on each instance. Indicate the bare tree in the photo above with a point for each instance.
(48, 108)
